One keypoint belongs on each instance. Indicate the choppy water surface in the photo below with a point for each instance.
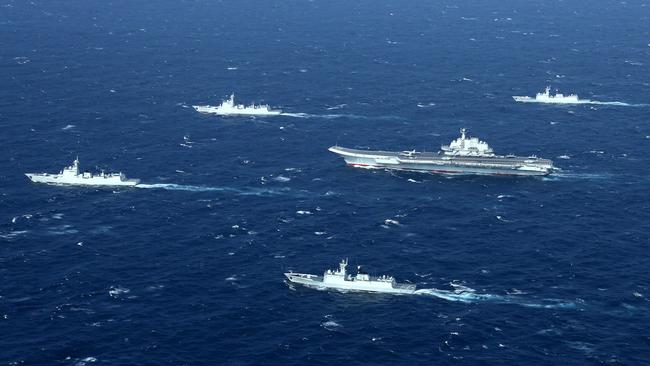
(187, 268)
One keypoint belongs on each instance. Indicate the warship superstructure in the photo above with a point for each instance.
(546, 97)
(228, 108)
(71, 175)
(341, 280)
(465, 155)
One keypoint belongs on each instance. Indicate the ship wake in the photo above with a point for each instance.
(467, 295)
(191, 188)
(570, 176)
(337, 116)
(620, 104)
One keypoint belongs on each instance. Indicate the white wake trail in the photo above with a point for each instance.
(336, 116)
(296, 115)
(191, 188)
(569, 175)
(620, 104)
(469, 296)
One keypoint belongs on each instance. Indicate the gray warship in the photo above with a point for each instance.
(73, 176)
(341, 280)
(465, 155)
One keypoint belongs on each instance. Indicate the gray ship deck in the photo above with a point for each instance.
(424, 157)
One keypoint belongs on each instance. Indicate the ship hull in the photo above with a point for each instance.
(549, 100)
(99, 182)
(235, 112)
(440, 164)
(358, 286)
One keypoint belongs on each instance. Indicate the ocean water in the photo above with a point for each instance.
(187, 269)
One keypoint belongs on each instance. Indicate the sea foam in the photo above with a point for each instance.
(192, 188)
(468, 295)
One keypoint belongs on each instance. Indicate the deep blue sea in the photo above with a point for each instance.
(188, 268)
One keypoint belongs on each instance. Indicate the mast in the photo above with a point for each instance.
(462, 138)
(342, 265)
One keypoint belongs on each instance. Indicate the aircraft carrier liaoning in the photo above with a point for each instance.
(465, 155)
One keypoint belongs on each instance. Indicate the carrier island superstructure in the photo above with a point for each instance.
(463, 156)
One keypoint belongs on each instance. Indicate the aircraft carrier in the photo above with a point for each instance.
(463, 156)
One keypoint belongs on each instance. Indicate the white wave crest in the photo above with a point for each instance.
(117, 291)
(336, 107)
(331, 325)
(426, 105)
(282, 179)
(13, 234)
(85, 361)
(391, 222)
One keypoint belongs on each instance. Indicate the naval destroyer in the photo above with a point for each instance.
(71, 175)
(340, 280)
(546, 97)
(465, 155)
(229, 108)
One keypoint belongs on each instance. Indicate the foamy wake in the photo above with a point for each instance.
(568, 175)
(336, 116)
(190, 188)
(468, 295)
(621, 104)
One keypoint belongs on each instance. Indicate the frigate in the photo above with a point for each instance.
(546, 97)
(229, 108)
(465, 155)
(341, 280)
(71, 175)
